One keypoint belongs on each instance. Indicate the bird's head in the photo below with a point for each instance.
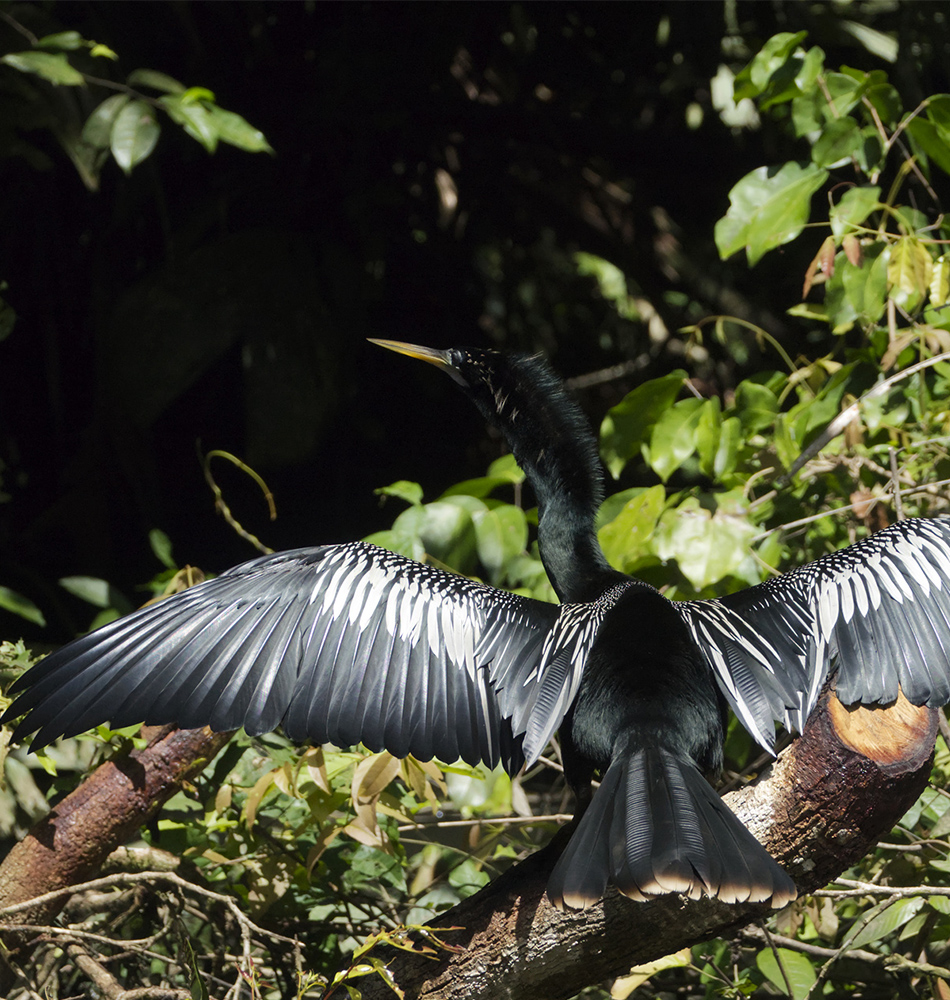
(487, 377)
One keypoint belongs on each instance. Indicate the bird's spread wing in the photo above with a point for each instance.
(344, 643)
(878, 611)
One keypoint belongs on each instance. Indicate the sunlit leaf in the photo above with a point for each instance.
(10, 600)
(673, 438)
(52, 66)
(940, 281)
(627, 425)
(98, 128)
(767, 208)
(233, 129)
(193, 118)
(63, 41)
(797, 968)
(885, 918)
(134, 135)
(838, 142)
(908, 272)
(156, 80)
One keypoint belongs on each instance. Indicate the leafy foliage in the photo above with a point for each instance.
(344, 849)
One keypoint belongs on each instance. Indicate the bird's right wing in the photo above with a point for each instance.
(344, 643)
(876, 612)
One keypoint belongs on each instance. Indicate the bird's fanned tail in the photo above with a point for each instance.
(656, 826)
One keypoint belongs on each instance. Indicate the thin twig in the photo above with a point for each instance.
(849, 414)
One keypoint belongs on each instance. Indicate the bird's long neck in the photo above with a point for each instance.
(553, 443)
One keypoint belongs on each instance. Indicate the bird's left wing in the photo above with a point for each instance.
(878, 611)
(343, 643)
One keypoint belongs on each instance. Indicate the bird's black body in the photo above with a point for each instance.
(350, 643)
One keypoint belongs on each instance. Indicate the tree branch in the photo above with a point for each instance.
(831, 794)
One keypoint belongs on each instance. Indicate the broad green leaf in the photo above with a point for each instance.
(768, 208)
(756, 406)
(195, 119)
(98, 128)
(506, 468)
(63, 41)
(403, 489)
(878, 43)
(770, 58)
(908, 273)
(627, 538)
(707, 546)
(162, 548)
(853, 208)
(797, 967)
(727, 450)
(481, 487)
(233, 129)
(627, 425)
(100, 51)
(446, 530)
(134, 135)
(940, 281)
(707, 435)
(99, 593)
(673, 438)
(156, 80)
(195, 94)
(838, 142)
(501, 534)
(887, 103)
(10, 600)
(52, 66)
(885, 918)
(865, 287)
(932, 140)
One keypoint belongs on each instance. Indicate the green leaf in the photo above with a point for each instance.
(768, 208)
(403, 489)
(134, 135)
(865, 287)
(674, 437)
(195, 119)
(770, 58)
(10, 600)
(853, 208)
(707, 546)
(727, 450)
(756, 406)
(908, 273)
(51, 66)
(799, 970)
(156, 80)
(838, 142)
(940, 281)
(63, 41)
(931, 140)
(100, 51)
(98, 128)
(885, 918)
(707, 435)
(501, 533)
(233, 129)
(626, 425)
(162, 548)
(88, 588)
(627, 539)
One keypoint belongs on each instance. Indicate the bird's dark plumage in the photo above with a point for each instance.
(351, 643)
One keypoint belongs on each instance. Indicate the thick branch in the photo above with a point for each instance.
(822, 805)
(71, 843)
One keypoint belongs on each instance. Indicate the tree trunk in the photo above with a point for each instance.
(70, 844)
(831, 794)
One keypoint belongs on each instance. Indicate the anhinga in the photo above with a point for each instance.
(351, 643)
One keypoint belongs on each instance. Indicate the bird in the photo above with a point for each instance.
(352, 643)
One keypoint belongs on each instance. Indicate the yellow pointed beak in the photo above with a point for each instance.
(434, 357)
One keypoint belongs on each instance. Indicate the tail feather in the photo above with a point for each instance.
(656, 826)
